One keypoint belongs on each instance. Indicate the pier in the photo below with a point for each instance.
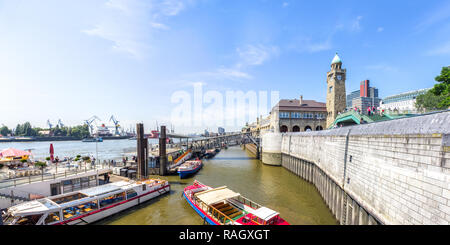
(392, 172)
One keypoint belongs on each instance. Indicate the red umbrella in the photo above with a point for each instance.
(51, 152)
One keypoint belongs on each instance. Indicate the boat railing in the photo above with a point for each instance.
(248, 202)
(215, 213)
(50, 174)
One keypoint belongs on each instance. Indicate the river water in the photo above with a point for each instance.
(274, 187)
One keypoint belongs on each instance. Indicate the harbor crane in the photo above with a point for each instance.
(60, 124)
(116, 125)
(50, 125)
(90, 121)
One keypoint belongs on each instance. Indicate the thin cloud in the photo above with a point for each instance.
(380, 29)
(356, 25)
(285, 4)
(443, 49)
(255, 55)
(311, 46)
(438, 15)
(131, 24)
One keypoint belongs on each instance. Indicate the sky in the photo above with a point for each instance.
(70, 60)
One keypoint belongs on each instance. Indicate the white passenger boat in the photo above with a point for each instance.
(85, 206)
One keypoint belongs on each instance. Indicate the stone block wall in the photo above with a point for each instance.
(398, 170)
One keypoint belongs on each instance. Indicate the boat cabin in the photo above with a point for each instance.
(54, 209)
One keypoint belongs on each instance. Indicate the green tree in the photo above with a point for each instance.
(4, 130)
(437, 98)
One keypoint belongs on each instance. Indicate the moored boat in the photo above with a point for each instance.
(222, 206)
(87, 205)
(189, 167)
(210, 153)
(97, 139)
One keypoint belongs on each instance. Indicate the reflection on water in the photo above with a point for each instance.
(297, 201)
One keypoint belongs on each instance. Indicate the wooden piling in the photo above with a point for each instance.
(162, 152)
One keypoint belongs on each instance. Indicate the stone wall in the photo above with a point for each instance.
(397, 171)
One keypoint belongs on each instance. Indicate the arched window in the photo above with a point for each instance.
(308, 128)
(296, 129)
(283, 129)
(318, 128)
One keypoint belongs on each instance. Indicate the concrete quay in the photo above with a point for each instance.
(391, 172)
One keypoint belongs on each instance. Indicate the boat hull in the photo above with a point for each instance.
(200, 212)
(185, 174)
(116, 208)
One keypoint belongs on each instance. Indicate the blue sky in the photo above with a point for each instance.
(74, 59)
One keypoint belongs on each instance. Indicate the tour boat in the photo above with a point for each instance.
(189, 168)
(222, 206)
(85, 206)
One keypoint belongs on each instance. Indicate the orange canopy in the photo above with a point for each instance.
(11, 152)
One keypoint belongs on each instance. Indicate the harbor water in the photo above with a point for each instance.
(296, 200)
(274, 187)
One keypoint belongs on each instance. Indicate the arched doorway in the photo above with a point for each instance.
(318, 128)
(283, 129)
(296, 129)
(308, 128)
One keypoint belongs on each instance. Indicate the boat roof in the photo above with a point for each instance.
(45, 204)
(102, 189)
(264, 213)
(216, 195)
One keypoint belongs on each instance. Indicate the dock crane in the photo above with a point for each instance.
(90, 121)
(60, 123)
(50, 125)
(116, 125)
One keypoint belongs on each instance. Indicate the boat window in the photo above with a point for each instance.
(68, 198)
(52, 217)
(144, 187)
(131, 193)
(112, 199)
(29, 220)
(273, 220)
(79, 209)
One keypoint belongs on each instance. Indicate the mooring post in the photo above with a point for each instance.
(162, 152)
(142, 152)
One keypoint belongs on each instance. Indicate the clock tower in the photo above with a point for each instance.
(335, 90)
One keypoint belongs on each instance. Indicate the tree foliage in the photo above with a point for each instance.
(437, 98)
(5, 131)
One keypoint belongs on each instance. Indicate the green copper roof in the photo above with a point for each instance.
(336, 59)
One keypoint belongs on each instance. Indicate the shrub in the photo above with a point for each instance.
(86, 158)
(40, 164)
(47, 158)
(23, 161)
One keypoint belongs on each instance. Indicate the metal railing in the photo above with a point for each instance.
(15, 181)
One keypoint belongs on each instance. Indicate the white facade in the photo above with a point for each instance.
(404, 102)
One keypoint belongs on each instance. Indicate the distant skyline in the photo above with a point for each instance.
(71, 60)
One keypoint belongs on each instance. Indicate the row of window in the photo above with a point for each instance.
(306, 115)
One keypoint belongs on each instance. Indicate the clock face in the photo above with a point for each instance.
(339, 77)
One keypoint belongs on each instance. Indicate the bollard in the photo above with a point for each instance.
(29, 179)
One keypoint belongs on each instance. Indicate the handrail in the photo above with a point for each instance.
(47, 176)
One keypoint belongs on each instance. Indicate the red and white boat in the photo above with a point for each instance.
(85, 206)
(222, 206)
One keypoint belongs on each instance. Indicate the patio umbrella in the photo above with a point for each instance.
(11, 152)
(52, 151)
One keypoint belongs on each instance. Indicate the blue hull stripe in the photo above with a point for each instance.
(198, 211)
(187, 173)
